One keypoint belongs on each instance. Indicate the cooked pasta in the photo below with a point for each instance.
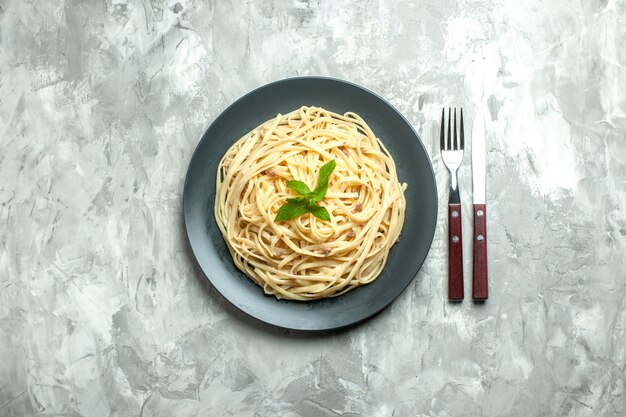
(306, 258)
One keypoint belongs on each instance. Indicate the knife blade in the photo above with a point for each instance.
(480, 287)
(479, 157)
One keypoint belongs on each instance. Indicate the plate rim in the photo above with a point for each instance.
(186, 213)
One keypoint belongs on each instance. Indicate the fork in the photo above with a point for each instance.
(451, 146)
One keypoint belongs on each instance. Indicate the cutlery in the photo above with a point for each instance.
(451, 147)
(479, 167)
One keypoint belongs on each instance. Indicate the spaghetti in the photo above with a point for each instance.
(307, 258)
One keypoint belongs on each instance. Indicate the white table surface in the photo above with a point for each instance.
(103, 312)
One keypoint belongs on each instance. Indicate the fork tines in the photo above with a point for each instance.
(451, 141)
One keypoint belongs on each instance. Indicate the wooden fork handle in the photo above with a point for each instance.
(480, 290)
(455, 253)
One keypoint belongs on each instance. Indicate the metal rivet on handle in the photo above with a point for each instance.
(455, 239)
(479, 213)
(480, 237)
(455, 214)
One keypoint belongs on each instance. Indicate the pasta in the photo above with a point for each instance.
(307, 258)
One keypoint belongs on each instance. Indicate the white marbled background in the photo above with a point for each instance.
(103, 311)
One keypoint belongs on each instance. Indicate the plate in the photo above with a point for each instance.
(413, 167)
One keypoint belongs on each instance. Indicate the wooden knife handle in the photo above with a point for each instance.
(480, 290)
(455, 253)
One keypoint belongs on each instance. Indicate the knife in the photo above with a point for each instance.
(480, 290)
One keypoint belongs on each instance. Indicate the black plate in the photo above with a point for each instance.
(413, 166)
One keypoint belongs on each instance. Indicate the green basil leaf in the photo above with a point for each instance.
(291, 210)
(318, 211)
(318, 194)
(322, 182)
(299, 187)
(295, 207)
(325, 172)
